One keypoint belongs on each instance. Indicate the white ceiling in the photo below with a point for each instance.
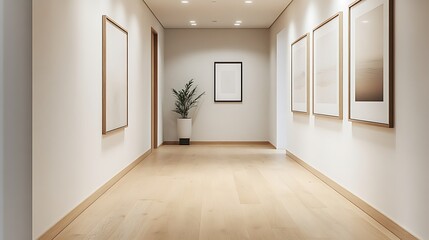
(259, 14)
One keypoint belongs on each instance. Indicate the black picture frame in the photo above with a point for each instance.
(227, 72)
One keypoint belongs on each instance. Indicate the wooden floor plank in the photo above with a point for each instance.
(222, 192)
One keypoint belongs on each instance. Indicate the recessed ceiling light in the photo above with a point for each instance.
(238, 21)
(185, 1)
(193, 24)
(192, 21)
(237, 24)
(248, 1)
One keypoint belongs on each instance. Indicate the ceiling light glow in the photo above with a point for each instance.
(184, 1)
(248, 1)
(193, 24)
(238, 21)
(237, 24)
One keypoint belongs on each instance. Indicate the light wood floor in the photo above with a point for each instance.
(222, 192)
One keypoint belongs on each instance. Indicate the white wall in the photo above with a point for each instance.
(279, 99)
(387, 168)
(71, 158)
(190, 54)
(15, 119)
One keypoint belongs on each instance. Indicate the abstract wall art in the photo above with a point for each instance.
(328, 68)
(300, 75)
(371, 62)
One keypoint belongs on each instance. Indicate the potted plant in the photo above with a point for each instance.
(186, 99)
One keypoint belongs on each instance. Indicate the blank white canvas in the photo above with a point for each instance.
(116, 78)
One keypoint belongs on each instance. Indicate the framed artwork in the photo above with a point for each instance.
(115, 76)
(328, 67)
(371, 62)
(228, 81)
(300, 90)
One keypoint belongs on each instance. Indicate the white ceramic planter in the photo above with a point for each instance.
(184, 128)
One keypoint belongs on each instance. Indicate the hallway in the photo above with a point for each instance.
(222, 192)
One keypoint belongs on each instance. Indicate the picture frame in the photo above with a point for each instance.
(115, 76)
(328, 67)
(300, 75)
(371, 90)
(228, 81)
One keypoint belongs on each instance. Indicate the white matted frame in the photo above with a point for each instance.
(300, 77)
(371, 92)
(228, 81)
(115, 76)
(328, 68)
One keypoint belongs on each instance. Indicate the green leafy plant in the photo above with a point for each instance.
(186, 99)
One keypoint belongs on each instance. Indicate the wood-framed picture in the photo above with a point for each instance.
(300, 78)
(228, 81)
(115, 76)
(371, 93)
(328, 68)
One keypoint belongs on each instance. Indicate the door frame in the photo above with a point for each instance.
(154, 89)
